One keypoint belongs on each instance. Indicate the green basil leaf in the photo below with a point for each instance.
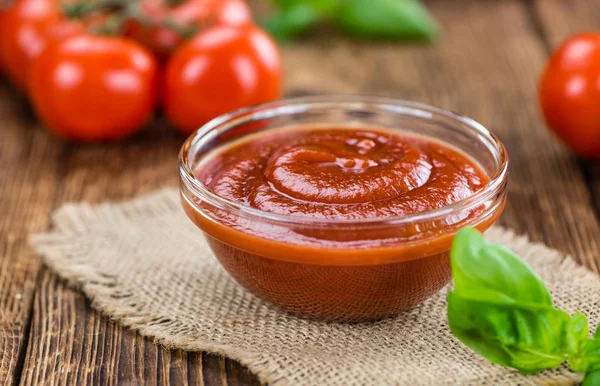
(578, 332)
(591, 379)
(291, 22)
(488, 271)
(324, 7)
(282, 4)
(296, 17)
(521, 336)
(587, 358)
(503, 310)
(386, 19)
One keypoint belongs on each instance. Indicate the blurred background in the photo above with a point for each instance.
(96, 99)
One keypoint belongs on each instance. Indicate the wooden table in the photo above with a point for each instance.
(486, 66)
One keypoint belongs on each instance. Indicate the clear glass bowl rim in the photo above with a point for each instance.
(267, 110)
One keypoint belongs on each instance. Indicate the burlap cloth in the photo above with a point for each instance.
(145, 265)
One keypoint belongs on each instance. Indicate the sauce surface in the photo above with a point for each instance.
(338, 173)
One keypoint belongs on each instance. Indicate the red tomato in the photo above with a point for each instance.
(221, 69)
(569, 93)
(27, 27)
(190, 13)
(90, 88)
(2, 13)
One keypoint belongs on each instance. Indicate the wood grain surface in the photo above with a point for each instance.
(486, 66)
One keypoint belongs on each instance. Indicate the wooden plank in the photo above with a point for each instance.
(70, 342)
(28, 187)
(558, 19)
(79, 346)
(486, 66)
(239, 375)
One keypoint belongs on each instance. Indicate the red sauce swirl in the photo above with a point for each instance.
(341, 173)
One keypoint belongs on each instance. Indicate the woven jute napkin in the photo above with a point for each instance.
(145, 265)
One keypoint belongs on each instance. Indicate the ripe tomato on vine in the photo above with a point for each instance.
(162, 24)
(569, 93)
(27, 27)
(221, 69)
(94, 70)
(90, 88)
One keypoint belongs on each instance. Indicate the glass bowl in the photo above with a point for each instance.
(328, 268)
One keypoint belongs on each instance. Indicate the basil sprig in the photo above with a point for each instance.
(372, 19)
(502, 309)
(587, 360)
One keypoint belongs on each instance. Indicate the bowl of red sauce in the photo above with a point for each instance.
(341, 207)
